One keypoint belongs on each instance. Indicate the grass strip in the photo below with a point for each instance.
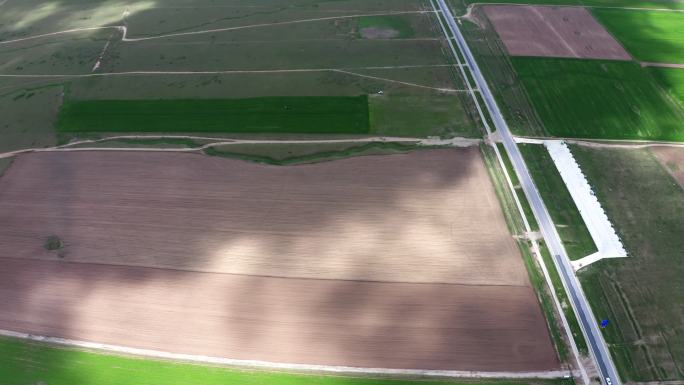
(298, 154)
(534, 226)
(562, 295)
(569, 223)
(310, 115)
(660, 4)
(30, 363)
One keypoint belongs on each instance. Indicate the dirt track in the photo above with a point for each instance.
(326, 322)
(553, 32)
(430, 215)
(672, 159)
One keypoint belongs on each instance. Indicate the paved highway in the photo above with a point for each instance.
(586, 318)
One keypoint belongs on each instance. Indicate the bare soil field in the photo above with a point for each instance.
(553, 32)
(428, 216)
(398, 261)
(673, 160)
(327, 322)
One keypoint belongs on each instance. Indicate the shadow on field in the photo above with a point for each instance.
(315, 259)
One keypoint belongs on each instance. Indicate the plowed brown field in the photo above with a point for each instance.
(210, 256)
(327, 322)
(430, 215)
(553, 32)
(673, 160)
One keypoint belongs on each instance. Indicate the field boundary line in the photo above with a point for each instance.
(124, 28)
(454, 142)
(602, 143)
(661, 65)
(236, 72)
(222, 72)
(400, 82)
(471, 5)
(278, 365)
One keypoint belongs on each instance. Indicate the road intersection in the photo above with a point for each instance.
(590, 328)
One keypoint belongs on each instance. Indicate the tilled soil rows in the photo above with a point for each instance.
(400, 261)
(307, 321)
(429, 216)
(553, 32)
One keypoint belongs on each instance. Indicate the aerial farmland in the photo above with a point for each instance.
(606, 78)
(344, 192)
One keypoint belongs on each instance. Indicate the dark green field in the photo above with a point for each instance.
(641, 294)
(31, 363)
(660, 4)
(310, 115)
(672, 79)
(600, 99)
(557, 198)
(651, 36)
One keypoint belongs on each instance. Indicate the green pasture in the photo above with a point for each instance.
(657, 4)
(650, 36)
(641, 294)
(27, 117)
(401, 25)
(599, 99)
(334, 115)
(30, 363)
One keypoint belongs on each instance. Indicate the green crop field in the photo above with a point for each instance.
(333, 115)
(599, 99)
(672, 79)
(557, 198)
(658, 4)
(641, 295)
(651, 36)
(30, 363)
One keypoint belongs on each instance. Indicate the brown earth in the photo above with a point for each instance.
(673, 160)
(553, 32)
(432, 216)
(234, 253)
(326, 322)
